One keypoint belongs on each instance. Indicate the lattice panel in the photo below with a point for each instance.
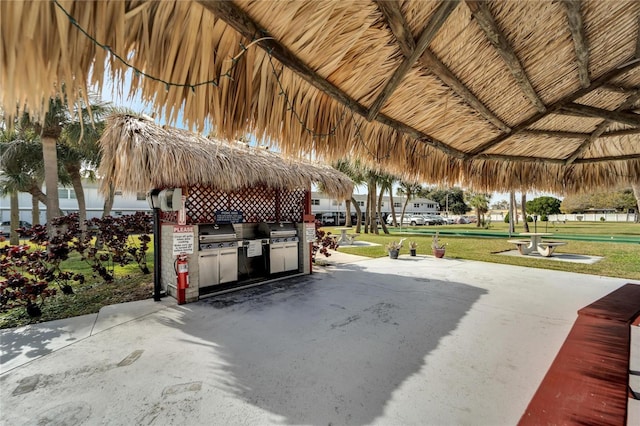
(257, 204)
(292, 205)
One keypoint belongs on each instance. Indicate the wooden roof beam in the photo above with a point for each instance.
(390, 9)
(600, 129)
(487, 23)
(574, 16)
(589, 111)
(400, 29)
(595, 84)
(555, 133)
(612, 87)
(617, 133)
(239, 20)
(431, 29)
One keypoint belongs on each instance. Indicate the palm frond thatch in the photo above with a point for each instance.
(138, 155)
(508, 94)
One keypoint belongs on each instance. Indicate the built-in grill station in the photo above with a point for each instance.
(283, 246)
(218, 254)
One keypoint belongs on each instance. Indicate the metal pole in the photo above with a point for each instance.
(157, 282)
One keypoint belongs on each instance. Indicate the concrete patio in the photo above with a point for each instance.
(416, 340)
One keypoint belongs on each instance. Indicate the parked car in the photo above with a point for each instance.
(450, 220)
(409, 219)
(431, 219)
(5, 227)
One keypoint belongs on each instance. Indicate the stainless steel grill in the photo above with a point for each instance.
(218, 256)
(283, 246)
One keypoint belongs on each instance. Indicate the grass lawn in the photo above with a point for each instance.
(469, 242)
(463, 242)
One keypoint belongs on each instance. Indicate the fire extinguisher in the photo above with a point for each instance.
(181, 266)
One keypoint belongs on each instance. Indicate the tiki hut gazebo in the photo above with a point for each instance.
(493, 94)
(235, 198)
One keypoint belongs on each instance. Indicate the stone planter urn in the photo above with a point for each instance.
(438, 252)
(393, 254)
(412, 252)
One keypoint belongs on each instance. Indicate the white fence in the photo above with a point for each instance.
(581, 217)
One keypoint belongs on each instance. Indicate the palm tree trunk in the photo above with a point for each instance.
(50, 157)
(374, 209)
(14, 239)
(393, 208)
(478, 219)
(76, 182)
(347, 218)
(35, 211)
(515, 209)
(384, 225)
(636, 192)
(359, 213)
(512, 197)
(108, 201)
(525, 224)
(404, 209)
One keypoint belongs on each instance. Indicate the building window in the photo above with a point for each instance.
(336, 203)
(416, 205)
(397, 205)
(118, 193)
(141, 196)
(66, 194)
(361, 203)
(315, 202)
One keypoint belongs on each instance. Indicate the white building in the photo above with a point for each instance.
(130, 203)
(123, 204)
(326, 207)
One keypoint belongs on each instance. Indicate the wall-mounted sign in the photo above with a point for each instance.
(228, 216)
(310, 232)
(183, 240)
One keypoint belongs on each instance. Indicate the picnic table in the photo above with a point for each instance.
(535, 243)
(345, 237)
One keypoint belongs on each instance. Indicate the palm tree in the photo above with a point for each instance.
(525, 224)
(355, 171)
(479, 201)
(409, 190)
(49, 127)
(386, 182)
(79, 143)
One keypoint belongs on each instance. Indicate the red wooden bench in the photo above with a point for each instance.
(587, 383)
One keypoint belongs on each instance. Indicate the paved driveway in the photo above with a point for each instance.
(408, 341)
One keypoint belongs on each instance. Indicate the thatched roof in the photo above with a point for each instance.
(495, 94)
(138, 155)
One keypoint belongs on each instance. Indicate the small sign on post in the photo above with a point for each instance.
(310, 232)
(183, 240)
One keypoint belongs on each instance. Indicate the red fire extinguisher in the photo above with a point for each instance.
(181, 266)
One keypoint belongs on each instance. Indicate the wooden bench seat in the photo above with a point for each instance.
(587, 383)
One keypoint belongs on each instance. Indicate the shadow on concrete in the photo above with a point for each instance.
(30, 342)
(329, 348)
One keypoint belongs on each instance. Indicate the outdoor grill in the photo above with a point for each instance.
(218, 254)
(283, 246)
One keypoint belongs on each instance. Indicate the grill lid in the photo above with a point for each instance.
(214, 233)
(278, 230)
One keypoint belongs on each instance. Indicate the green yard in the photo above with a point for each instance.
(621, 259)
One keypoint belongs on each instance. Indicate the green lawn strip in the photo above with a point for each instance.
(620, 259)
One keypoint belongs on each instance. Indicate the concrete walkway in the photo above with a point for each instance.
(416, 340)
